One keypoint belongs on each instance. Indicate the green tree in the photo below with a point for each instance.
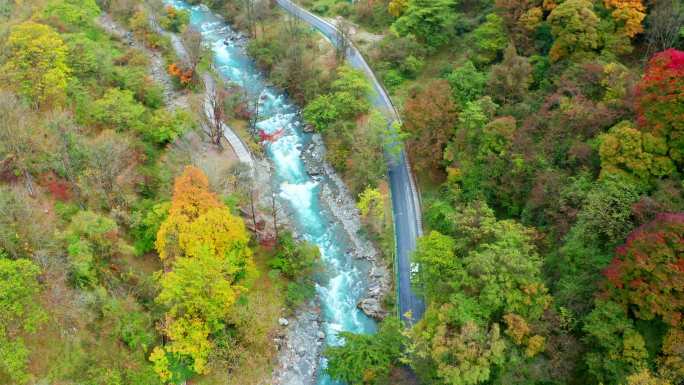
(90, 241)
(509, 81)
(447, 354)
(603, 222)
(118, 110)
(20, 312)
(296, 260)
(321, 112)
(72, 13)
(166, 126)
(619, 350)
(574, 26)
(366, 161)
(347, 100)
(86, 57)
(367, 359)
(467, 83)
(490, 38)
(36, 66)
(371, 205)
(486, 269)
(430, 21)
(147, 226)
(626, 150)
(437, 258)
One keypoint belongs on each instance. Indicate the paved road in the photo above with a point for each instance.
(405, 199)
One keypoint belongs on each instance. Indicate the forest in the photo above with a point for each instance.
(137, 247)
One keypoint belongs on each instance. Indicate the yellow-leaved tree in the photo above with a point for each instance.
(207, 265)
(628, 14)
(36, 66)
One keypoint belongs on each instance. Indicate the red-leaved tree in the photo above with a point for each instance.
(660, 101)
(647, 272)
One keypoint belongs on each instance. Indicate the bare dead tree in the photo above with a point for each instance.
(192, 40)
(663, 25)
(19, 137)
(63, 128)
(262, 11)
(216, 100)
(293, 28)
(275, 211)
(342, 40)
(254, 118)
(251, 19)
(244, 184)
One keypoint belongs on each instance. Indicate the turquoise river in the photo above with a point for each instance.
(344, 281)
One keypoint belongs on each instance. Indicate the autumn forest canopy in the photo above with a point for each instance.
(546, 138)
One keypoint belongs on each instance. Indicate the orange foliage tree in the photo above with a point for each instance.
(628, 14)
(208, 264)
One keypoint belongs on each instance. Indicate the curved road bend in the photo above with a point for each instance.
(405, 200)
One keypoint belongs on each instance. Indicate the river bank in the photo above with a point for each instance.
(310, 328)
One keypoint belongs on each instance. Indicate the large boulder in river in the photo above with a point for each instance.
(372, 308)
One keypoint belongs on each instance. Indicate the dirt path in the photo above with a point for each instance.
(172, 98)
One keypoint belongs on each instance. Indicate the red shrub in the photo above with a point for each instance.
(647, 272)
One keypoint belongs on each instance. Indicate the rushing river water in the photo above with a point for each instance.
(344, 281)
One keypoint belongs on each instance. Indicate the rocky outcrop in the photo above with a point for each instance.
(313, 155)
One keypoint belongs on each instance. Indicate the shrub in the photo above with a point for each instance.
(299, 292)
(411, 66)
(467, 83)
(392, 79)
(165, 126)
(119, 110)
(90, 237)
(174, 19)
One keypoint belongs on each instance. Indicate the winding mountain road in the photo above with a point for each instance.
(405, 199)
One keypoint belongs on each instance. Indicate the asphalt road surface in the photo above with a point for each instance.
(405, 199)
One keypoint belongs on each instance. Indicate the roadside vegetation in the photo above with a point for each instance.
(124, 257)
(546, 137)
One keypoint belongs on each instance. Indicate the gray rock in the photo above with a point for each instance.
(372, 308)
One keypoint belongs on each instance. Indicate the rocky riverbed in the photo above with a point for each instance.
(302, 341)
(299, 347)
(339, 200)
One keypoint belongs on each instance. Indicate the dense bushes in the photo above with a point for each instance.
(346, 101)
(298, 262)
